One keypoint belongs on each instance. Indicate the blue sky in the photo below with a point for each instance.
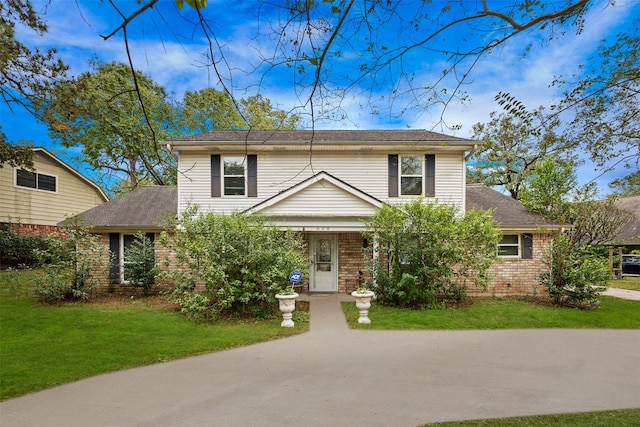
(167, 45)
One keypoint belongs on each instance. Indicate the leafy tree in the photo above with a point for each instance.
(553, 191)
(231, 264)
(429, 252)
(371, 42)
(627, 186)
(24, 72)
(548, 189)
(259, 114)
(15, 156)
(512, 144)
(574, 275)
(210, 109)
(605, 104)
(101, 111)
(574, 278)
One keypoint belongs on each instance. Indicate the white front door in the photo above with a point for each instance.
(324, 263)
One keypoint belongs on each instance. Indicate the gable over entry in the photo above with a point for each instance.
(320, 203)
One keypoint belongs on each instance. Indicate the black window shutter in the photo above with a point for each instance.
(216, 177)
(252, 175)
(527, 246)
(430, 175)
(393, 175)
(114, 266)
(152, 238)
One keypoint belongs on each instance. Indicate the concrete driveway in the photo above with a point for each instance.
(333, 376)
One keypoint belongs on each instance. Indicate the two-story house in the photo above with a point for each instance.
(36, 201)
(325, 183)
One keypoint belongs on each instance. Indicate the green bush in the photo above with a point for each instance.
(574, 276)
(18, 249)
(71, 263)
(238, 261)
(140, 267)
(429, 252)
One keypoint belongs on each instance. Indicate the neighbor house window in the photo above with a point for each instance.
(38, 181)
(509, 246)
(234, 176)
(411, 174)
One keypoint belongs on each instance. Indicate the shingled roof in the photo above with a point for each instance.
(149, 207)
(629, 233)
(143, 208)
(321, 136)
(508, 212)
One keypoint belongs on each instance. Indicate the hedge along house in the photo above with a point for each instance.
(326, 183)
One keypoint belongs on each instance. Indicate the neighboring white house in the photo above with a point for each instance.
(37, 201)
(324, 184)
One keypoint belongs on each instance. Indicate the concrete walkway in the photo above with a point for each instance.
(622, 293)
(334, 376)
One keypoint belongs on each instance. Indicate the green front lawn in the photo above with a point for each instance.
(44, 346)
(499, 313)
(620, 418)
(627, 282)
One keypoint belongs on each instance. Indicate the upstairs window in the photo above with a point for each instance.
(38, 181)
(411, 174)
(234, 176)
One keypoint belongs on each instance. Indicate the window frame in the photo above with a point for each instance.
(421, 176)
(517, 245)
(36, 180)
(224, 175)
(122, 262)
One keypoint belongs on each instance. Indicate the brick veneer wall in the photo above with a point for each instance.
(510, 276)
(350, 261)
(101, 274)
(36, 229)
(516, 276)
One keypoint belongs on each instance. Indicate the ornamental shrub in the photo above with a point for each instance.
(69, 265)
(428, 252)
(236, 263)
(18, 249)
(574, 275)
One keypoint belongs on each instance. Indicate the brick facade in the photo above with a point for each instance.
(36, 229)
(510, 276)
(516, 276)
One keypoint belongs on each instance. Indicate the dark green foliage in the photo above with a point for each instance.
(140, 266)
(17, 249)
(574, 276)
(71, 263)
(428, 252)
(231, 264)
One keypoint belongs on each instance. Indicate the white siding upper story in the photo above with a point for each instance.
(69, 193)
(280, 171)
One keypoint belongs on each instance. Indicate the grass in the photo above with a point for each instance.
(499, 313)
(631, 283)
(44, 346)
(618, 418)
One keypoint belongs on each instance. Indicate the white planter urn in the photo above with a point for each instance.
(287, 306)
(363, 303)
